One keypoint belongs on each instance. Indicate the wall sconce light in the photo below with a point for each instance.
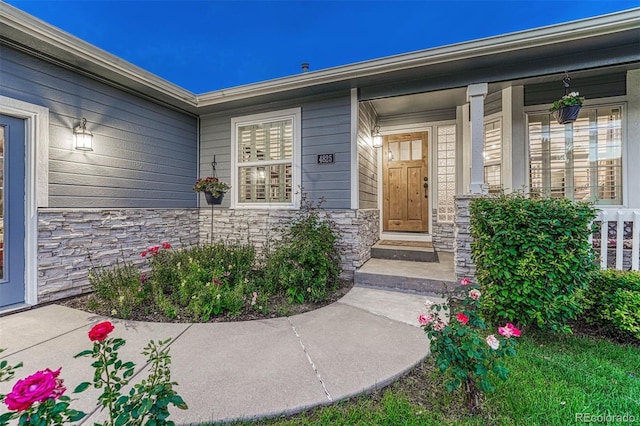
(377, 137)
(84, 138)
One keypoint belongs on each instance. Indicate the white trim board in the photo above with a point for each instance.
(36, 181)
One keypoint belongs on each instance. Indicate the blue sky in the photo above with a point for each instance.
(210, 45)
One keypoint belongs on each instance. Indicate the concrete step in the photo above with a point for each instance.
(408, 251)
(432, 279)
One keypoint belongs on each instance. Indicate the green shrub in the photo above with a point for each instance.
(201, 282)
(306, 262)
(613, 302)
(533, 258)
(121, 288)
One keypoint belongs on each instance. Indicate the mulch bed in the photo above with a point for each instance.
(278, 306)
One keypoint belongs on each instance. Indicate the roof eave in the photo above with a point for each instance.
(544, 36)
(53, 42)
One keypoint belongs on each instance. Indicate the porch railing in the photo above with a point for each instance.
(620, 240)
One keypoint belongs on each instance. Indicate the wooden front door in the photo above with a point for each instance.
(405, 184)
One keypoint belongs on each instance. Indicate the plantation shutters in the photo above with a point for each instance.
(493, 156)
(581, 161)
(266, 146)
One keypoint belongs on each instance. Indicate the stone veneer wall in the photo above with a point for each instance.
(67, 237)
(464, 266)
(259, 227)
(442, 234)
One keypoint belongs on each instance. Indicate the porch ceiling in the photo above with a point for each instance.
(420, 102)
(450, 98)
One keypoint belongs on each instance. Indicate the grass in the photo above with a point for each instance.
(552, 379)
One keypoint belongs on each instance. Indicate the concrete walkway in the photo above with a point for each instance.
(238, 370)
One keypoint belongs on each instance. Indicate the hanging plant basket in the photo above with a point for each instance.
(567, 114)
(211, 200)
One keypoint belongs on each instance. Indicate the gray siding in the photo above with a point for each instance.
(144, 156)
(326, 129)
(592, 88)
(493, 103)
(367, 158)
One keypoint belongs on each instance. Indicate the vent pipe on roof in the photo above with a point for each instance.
(305, 67)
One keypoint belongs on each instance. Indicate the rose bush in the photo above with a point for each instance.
(460, 347)
(147, 402)
(38, 399)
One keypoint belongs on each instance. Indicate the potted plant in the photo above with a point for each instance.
(567, 108)
(213, 188)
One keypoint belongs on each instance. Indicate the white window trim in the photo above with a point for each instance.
(611, 101)
(295, 114)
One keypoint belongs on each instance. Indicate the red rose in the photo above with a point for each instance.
(462, 318)
(100, 331)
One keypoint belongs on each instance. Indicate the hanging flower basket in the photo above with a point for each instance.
(567, 114)
(211, 200)
(213, 188)
(567, 108)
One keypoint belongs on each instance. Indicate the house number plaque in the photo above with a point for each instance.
(325, 159)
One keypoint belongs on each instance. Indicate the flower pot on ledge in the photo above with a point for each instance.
(567, 114)
(211, 200)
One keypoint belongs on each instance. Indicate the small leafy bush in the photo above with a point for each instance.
(121, 288)
(613, 302)
(306, 262)
(202, 282)
(533, 258)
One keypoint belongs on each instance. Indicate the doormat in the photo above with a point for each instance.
(424, 244)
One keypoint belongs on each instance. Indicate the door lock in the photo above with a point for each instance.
(425, 185)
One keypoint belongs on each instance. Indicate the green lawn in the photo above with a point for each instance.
(552, 379)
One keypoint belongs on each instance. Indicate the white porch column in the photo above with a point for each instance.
(463, 148)
(475, 96)
(630, 163)
(514, 159)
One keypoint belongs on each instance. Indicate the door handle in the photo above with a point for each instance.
(425, 185)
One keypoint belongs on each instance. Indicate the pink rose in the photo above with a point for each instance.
(462, 318)
(425, 319)
(493, 342)
(254, 298)
(439, 326)
(509, 330)
(475, 294)
(166, 246)
(465, 281)
(100, 331)
(36, 388)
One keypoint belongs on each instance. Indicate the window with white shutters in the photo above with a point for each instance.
(581, 161)
(266, 167)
